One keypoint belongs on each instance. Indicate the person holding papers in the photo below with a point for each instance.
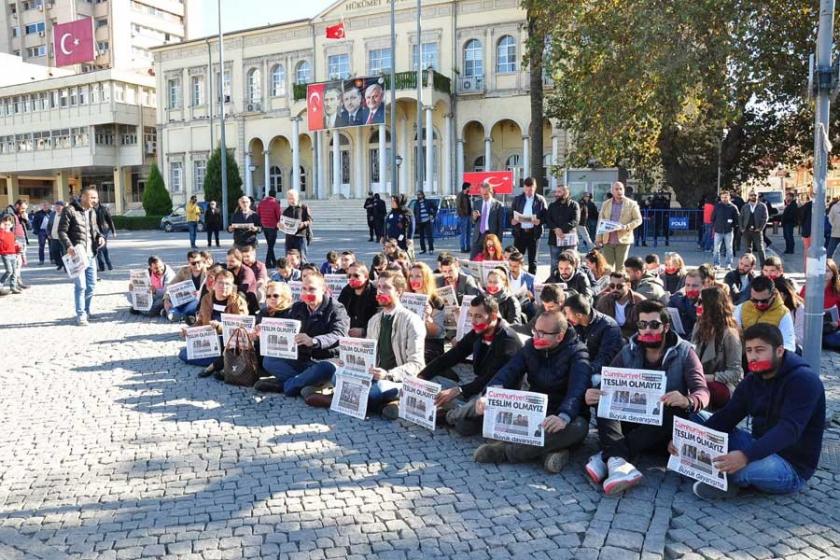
(278, 301)
(196, 270)
(600, 333)
(244, 224)
(451, 275)
(246, 282)
(625, 212)
(555, 363)
(619, 302)
(654, 347)
(249, 259)
(421, 280)
(323, 320)
(686, 300)
(285, 272)
(766, 306)
(521, 283)
(567, 272)
(359, 299)
(160, 277)
(562, 218)
(785, 399)
(497, 287)
(528, 213)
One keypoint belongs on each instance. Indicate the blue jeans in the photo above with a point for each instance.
(382, 392)
(85, 284)
(831, 340)
(726, 240)
(772, 474)
(297, 374)
(203, 362)
(465, 228)
(10, 262)
(708, 237)
(192, 227)
(189, 308)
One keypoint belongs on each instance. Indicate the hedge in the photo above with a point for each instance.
(136, 222)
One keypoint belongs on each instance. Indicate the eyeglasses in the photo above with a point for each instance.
(641, 325)
(544, 334)
(615, 286)
(760, 301)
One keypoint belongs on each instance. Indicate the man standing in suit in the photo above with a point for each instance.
(488, 218)
(527, 232)
(374, 113)
(753, 220)
(352, 113)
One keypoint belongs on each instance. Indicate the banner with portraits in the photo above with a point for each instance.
(346, 103)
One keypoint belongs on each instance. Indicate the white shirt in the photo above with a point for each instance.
(620, 316)
(785, 325)
(515, 283)
(54, 231)
(528, 210)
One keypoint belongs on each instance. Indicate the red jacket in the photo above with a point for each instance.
(269, 212)
(8, 246)
(708, 208)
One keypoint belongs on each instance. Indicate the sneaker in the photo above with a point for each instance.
(270, 385)
(318, 400)
(706, 492)
(391, 411)
(596, 469)
(82, 321)
(15, 291)
(310, 390)
(554, 462)
(490, 453)
(23, 286)
(623, 476)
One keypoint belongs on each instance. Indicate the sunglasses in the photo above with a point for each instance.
(615, 286)
(641, 325)
(760, 301)
(273, 296)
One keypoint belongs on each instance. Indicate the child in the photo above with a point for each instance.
(9, 251)
(331, 265)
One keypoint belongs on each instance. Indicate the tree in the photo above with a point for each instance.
(213, 180)
(534, 59)
(156, 199)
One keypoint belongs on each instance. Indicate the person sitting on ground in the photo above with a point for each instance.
(795, 305)
(359, 299)
(785, 400)
(831, 301)
(293, 256)
(766, 306)
(600, 333)
(346, 259)
(492, 343)
(555, 363)
(249, 259)
(707, 275)
(323, 320)
(492, 249)
(209, 278)
(568, 273)
(497, 288)
(654, 347)
(686, 300)
(740, 279)
(390, 248)
(619, 302)
(330, 265)
(598, 270)
(223, 299)
(308, 269)
(160, 278)
(552, 298)
(718, 344)
(652, 264)
(278, 302)
(400, 337)
(451, 275)
(421, 280)
(645, 283)
(246, 282)
(673, 276)
(774, 268)
(208, 258)
(377, 264)
(196, 270)
(521, 282)
(285, 272)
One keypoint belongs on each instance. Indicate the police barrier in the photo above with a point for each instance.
(669, 224)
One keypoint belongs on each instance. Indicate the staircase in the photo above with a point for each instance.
(337, 215)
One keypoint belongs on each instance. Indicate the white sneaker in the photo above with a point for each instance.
(596, 469)
(82, 321)
(623, 476)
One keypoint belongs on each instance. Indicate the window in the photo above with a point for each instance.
(128, 135)
(15, 31)
(173, 88)
(278, 80)
(40, 50)
(102, 47)
(226, 87)
(379, 60)
(83, 95)
(338, 66)
(104, 135)
(254, 89)
(176, 176)
(199, 172)
(275, 178)
(430, 56)
(506, 55)
(197, 89)
(473, 59)
(35, 28)
(303, 72)
(33, 5)
(101, 22)
(478, 164)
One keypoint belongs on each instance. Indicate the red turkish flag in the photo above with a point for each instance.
(335, 31)
(315, 106)
(73, 42)
(501, 181)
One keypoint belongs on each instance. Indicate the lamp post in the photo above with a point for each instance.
(223, 147)
(720, 154)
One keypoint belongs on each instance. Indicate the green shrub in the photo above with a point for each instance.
(156, 199)
(136, 222)
(213, 180)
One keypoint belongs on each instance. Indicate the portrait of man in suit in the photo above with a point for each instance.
(374, 112)
(353, 111)
(332, 105)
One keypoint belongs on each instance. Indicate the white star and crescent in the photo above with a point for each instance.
(63, 47)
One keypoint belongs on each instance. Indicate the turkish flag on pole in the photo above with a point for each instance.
(73, 42)
(335, 31)
(315, 106)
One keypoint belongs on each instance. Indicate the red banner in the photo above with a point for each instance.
(501, 181)
(73, 42)
(315, 106)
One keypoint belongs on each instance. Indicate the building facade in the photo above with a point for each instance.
(474, 100)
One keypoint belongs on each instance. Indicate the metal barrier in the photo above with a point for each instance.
(670, 224)
(446, 223)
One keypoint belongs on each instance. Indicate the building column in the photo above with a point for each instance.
(296, 153)
(61, 189)
(336, 162)
(555, 148)
(249, 179)
(459, 163)
(119, 190)
(319, 162)
(357, 188)
(404, 149)
(526, 156)
(266, 171)
(488, 154)
(429, 176)
(13, 188)
(383, 170)
(446, 180)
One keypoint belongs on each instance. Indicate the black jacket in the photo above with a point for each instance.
(602, 338)
(38, 218)
(242, 237)
(212, 219)
(360, 308)
(509, 308)
(71, 228)
(579, 282)
(805, 219)
(487, 360)
(737, 292)
(538, 207)
(790, 214)
(326, 325)
(563, 214)
(104, 219)
(724, 217)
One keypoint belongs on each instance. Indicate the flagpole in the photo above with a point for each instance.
(418, 158)
(223, 147)
(394, 178)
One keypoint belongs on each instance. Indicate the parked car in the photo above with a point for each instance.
(176, 221)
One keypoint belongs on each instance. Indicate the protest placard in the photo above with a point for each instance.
(464, 324)
(202, 342)
(296, 286)
(450, 317)
(417, 401)
(697, 447)
(601, 284)
(515, 416)
(277, 338)
(632, 395)
(567, 239)
(181, 293)
(415, 303)
(607, 226)
(448, 295)
(357, 354)
(351, 392)
(75, 265)
(232, 322)
(141, 300)
(335, 283)
(289, 225)
(138, 281)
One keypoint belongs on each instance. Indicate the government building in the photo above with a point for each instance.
(474, 100)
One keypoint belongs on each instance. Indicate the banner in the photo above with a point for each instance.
(697, 447)
(357, 354)
(202, 342)
(464, 325)
(417, 402)
(351, 392)
(515, 416)
(141, 300)
(501, 181)
(632, 395)
(73, 42)
(290, 225)
(277, 338)
(415, 303)
(232, 322)
(181, 293)
(335, 283)
(346, 103)
(76, 265)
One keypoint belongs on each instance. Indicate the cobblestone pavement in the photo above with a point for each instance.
(111, 448)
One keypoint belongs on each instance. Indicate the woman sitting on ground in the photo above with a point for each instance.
(597, 265)
(498, 288)
(718, 345)
(421, 280)
(278, 301)
(674, 276)
(831, 304)
(796, 306)
(492, 249)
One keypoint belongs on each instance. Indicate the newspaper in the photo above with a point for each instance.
(296, 286)
(335, 283)
(487, 266)
(417, 401)
(181, 293)
(289, 225)
(607, 226)
(834, 313)
(632, 395)
(522, 218)
(76, 265)
(141, 300)
(202, 342)
(277, 338)
(601, 284)
(139, 281)
(473, 269)
(416, 303)
(676, 321)
(231, 322)
(538, 288)
(463, 326)
(568, 239)
(515, 416)
(450, 317)
(448, 295)
(351, 392)
(357, 354)
(697, 448)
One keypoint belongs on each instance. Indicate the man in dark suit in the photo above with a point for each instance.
(753, 220)
(374, 111)
(527, 232)
(488, 217)
(351, 115)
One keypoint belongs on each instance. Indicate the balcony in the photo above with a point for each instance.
(404, 80)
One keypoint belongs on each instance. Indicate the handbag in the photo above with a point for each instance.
(240, 360)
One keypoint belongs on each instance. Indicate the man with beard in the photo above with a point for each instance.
(685, 301)
(740, 279)
(785, 399)
(766, 306)
(644, 281)
(619, 302)
(566, 272)
(561, 219)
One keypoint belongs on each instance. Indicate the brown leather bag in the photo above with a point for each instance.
(240, 360)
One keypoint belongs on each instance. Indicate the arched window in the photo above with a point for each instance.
(506, 55)
(254, 90)
(473, 59)
(278, 80)
(302, 186)
(478, 164)
(275, 178)
(303, 72)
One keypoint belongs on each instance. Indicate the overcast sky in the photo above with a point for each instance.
(242, 14)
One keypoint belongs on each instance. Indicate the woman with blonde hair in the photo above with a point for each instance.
(421, 280)
(674, 275)
(718, 345)
(498, 287)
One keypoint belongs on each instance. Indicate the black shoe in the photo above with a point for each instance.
(270, 385)
(110, 267)
(423, 252)
(59, 268)
(207, 372)
(23, 286)
(190, 320)
(133, 311)
(220, 375)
